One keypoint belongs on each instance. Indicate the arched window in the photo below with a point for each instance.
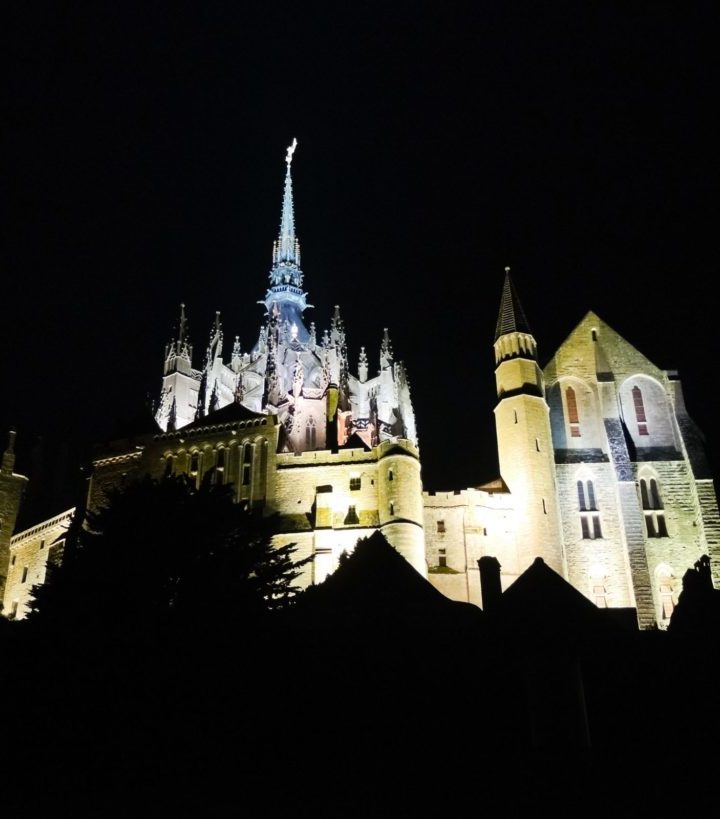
(665, 593)
(194, 463)
(653, 510)
(310, 434)
(639, 411)
(168, 466)
(589, 514)
(246, 464)
(573, 417)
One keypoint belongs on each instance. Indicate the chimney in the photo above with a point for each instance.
(490, 585)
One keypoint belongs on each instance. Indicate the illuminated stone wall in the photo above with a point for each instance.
(462, 527)
(30, 553)
(328, 500)
(642, 412)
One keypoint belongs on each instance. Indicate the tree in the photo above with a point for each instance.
(163, 550)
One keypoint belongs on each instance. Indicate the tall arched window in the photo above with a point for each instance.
(665, 593)
(589, 514)
(310, 434)
(573, 418)
(246, 464)
(639, 411)
(194, 463)
(653, 509)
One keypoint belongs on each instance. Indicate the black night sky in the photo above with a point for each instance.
(142, 166)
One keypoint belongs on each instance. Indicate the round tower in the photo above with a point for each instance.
(525, 447)
(400, 500)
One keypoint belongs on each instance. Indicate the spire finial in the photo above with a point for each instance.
(183, 325)
(290, 152)
(507, 269)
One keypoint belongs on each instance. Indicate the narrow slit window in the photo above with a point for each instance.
(310, 434)
(639, 411)
(573, 417)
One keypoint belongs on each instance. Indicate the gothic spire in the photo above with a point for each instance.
(511, 318)
(285, 294)
(286, 250)
(386, 353)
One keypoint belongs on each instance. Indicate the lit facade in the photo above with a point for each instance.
(603, 473)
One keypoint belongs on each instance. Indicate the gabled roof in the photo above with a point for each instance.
(376, 583)
(541, 601)
(225, 415)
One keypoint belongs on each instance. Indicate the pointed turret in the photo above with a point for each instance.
(386, 353)
(8, 458)
(511, 318)
(525, 447)
(12, 487)
(178, 399)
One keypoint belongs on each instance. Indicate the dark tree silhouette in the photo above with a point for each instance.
(163, 550)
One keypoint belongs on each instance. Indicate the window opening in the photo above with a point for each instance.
(639, 411)
(573, 417)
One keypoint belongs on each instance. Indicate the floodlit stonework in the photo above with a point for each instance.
(603, 473)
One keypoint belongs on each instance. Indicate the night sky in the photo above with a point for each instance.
(142, 166)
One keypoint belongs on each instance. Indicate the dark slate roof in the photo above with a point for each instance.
(511, 318)
(541, 601)
(225, 415)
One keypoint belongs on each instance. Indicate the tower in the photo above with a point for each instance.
(525, 446)
(11, 491)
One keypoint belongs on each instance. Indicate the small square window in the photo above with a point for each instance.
(355, 484)
(441, 526)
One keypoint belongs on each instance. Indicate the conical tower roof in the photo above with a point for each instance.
(511, 318)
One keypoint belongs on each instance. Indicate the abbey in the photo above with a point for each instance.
(602, 472)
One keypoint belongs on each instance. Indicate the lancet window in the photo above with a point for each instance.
(573, 418)
(639, 411)
(653, 509)
(589, 514)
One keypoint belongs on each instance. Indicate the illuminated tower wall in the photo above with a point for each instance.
(525, 450)
(11, 491)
